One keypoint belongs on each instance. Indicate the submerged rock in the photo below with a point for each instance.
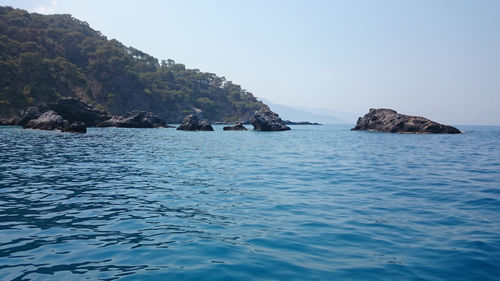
(135, 119)
(288, 122)
(192, 123)
(388, 120)
(266, 120)
(75, 127)
(237, 127)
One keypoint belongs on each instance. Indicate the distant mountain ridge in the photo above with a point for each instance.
(303, 114)
(45, 57)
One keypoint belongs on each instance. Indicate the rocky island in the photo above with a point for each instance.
(266, 120)
(237, 127)
(192, 123)
(135, 119)
(388, 120)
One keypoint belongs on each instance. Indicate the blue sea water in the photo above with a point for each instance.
(313, 203)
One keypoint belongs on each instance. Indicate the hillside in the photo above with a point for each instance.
(44, 57)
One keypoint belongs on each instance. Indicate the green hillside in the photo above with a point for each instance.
(44, 57)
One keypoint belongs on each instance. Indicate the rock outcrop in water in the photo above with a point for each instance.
(9, 121)
(266, 120)
(76, 110)
(288, 122)
(388, 120)
(69, 109)
(29, 113)
(50, 120)
(135, 119)
(192, 123)
(75, 127)
(237, 127)
(74, 115)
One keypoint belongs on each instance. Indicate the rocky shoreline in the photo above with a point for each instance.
(389, 121)
(50, 120)
(74, 115)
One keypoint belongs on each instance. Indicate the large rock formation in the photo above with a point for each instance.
(30, 113)
(192, 123)
(70, 109)
(388, 120)
(74, 109)
(74, 115)
(50, 120)
(266, 120)
(135, 119)
(237, 127)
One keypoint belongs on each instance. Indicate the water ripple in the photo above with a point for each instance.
(314, 203)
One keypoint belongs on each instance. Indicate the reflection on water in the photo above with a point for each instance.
(312, 203)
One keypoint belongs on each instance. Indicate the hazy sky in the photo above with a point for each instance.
(439, 59)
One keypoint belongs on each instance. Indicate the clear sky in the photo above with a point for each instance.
(435, 58)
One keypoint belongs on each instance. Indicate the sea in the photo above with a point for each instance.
(313, 203)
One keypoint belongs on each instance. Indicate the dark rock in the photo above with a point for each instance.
(192, 123)
(76, 115)
(135, 119)
(9, 122)
(30, 113)
(237, 127)
(205, 126)
(75, 127)
(388, 120)
(70, 109)
(266, 120)
(194, 111)
(189, 123)
(49, 120)
(76, 110)
(288, 122)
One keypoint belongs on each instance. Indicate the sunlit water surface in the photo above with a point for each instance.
(313, 203)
